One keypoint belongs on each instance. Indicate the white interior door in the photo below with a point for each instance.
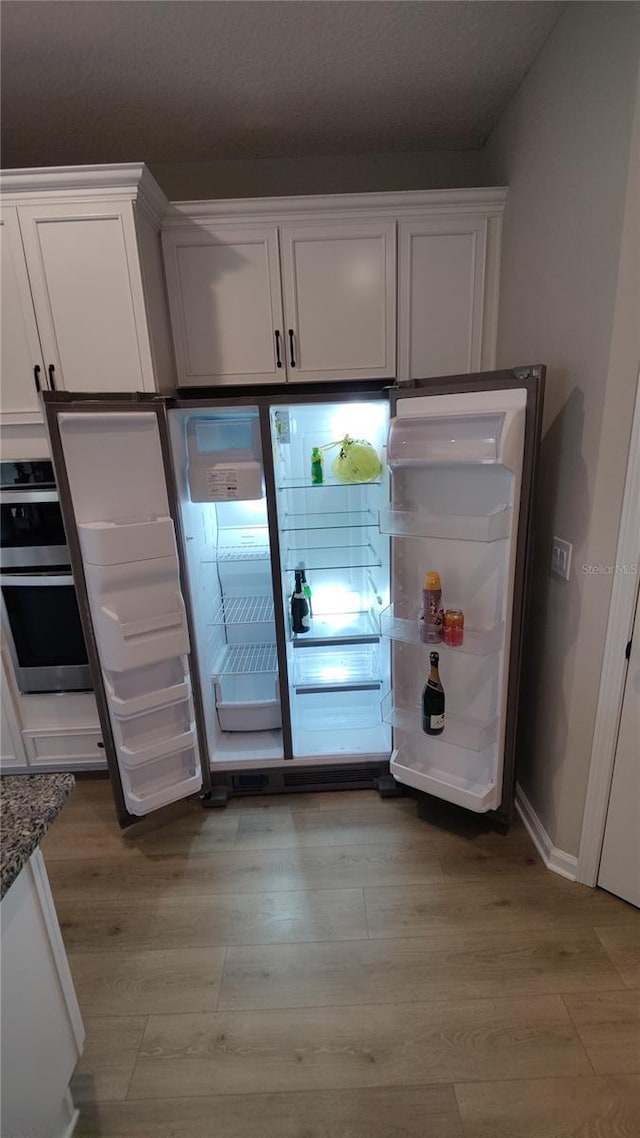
(19, 340)
(226, 307)
(340, 299)
(620, 863)
(114, 465)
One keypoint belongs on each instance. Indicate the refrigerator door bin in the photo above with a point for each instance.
(461, 732)
(464, 777)
(248, 702)
(134, 757)
(490, 525)
(160, 781)
(398, 623)
(141, 731)
(138, 611)
(117, 543)
(417, 441)
(142, 689)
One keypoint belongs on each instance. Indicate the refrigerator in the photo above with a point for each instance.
(188, 519)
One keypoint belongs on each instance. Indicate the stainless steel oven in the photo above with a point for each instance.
(40, 617)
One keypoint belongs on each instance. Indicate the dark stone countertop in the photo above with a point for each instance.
(29, 803)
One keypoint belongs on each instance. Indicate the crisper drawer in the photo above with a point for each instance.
(73, 747)
(138, 732)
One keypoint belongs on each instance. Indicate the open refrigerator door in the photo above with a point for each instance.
(111, 472)
(456, 462)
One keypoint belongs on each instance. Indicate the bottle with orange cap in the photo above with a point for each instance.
(431, 611)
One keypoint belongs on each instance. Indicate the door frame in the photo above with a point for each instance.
(622, 607)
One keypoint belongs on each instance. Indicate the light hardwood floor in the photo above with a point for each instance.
(332, 966)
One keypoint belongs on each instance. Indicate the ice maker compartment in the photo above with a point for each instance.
(224, 459)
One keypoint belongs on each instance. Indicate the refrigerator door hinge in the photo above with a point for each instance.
(528, 372)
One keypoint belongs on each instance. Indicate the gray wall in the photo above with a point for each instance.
(332, 174)
(563, 149)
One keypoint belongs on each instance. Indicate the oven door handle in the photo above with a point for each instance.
(17, 496)
(44, 580)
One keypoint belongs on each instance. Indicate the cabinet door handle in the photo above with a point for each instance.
(291, 353)
(52, 382)
(36, 376)
(278, 357)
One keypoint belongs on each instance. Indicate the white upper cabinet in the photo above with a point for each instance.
(447, 295)
(339, 281)
(88, 260)
(226, 307)
(22, 362)
(317, 284)
(87, 294)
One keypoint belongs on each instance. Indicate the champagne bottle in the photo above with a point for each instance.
(299, 606)
(433, 700)
(306, 589)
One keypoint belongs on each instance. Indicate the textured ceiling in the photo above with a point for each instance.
(93, 81)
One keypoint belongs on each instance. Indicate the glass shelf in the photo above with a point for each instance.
(336, 671)
(328, 484)
(487, 526)
(343, 519)
(459, 731)
(477, 641)
(338, 628)
(243, 610)
(331, 557)
(246, 659)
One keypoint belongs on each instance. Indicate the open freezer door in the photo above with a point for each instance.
(461, 451)
(115, 500)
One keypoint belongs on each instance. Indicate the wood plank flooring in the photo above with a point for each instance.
(332, 966)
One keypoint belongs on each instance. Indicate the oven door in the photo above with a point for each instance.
(44, 633)
(31, 529)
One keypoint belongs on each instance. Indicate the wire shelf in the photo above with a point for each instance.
(243, 610)
(247, 659)
(241, 553)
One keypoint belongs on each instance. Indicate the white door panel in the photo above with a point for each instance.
(339, 298)
(20, 344)
(620, 862)
(224, 293)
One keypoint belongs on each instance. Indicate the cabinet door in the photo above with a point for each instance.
(21, 353)
(226, 306)
(87, 294)
(340, 299)
(441, 296)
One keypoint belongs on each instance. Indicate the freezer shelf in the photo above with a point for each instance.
(331, 557)
(341, 519)
(245, 659)
(243, 610)
(470, 734)
(357, 669)
(217, 553)
(338, 628)
(488, 526)
(477, 641)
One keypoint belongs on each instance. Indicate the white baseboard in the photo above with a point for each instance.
(555, 859)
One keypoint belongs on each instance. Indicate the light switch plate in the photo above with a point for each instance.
(561, 552)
